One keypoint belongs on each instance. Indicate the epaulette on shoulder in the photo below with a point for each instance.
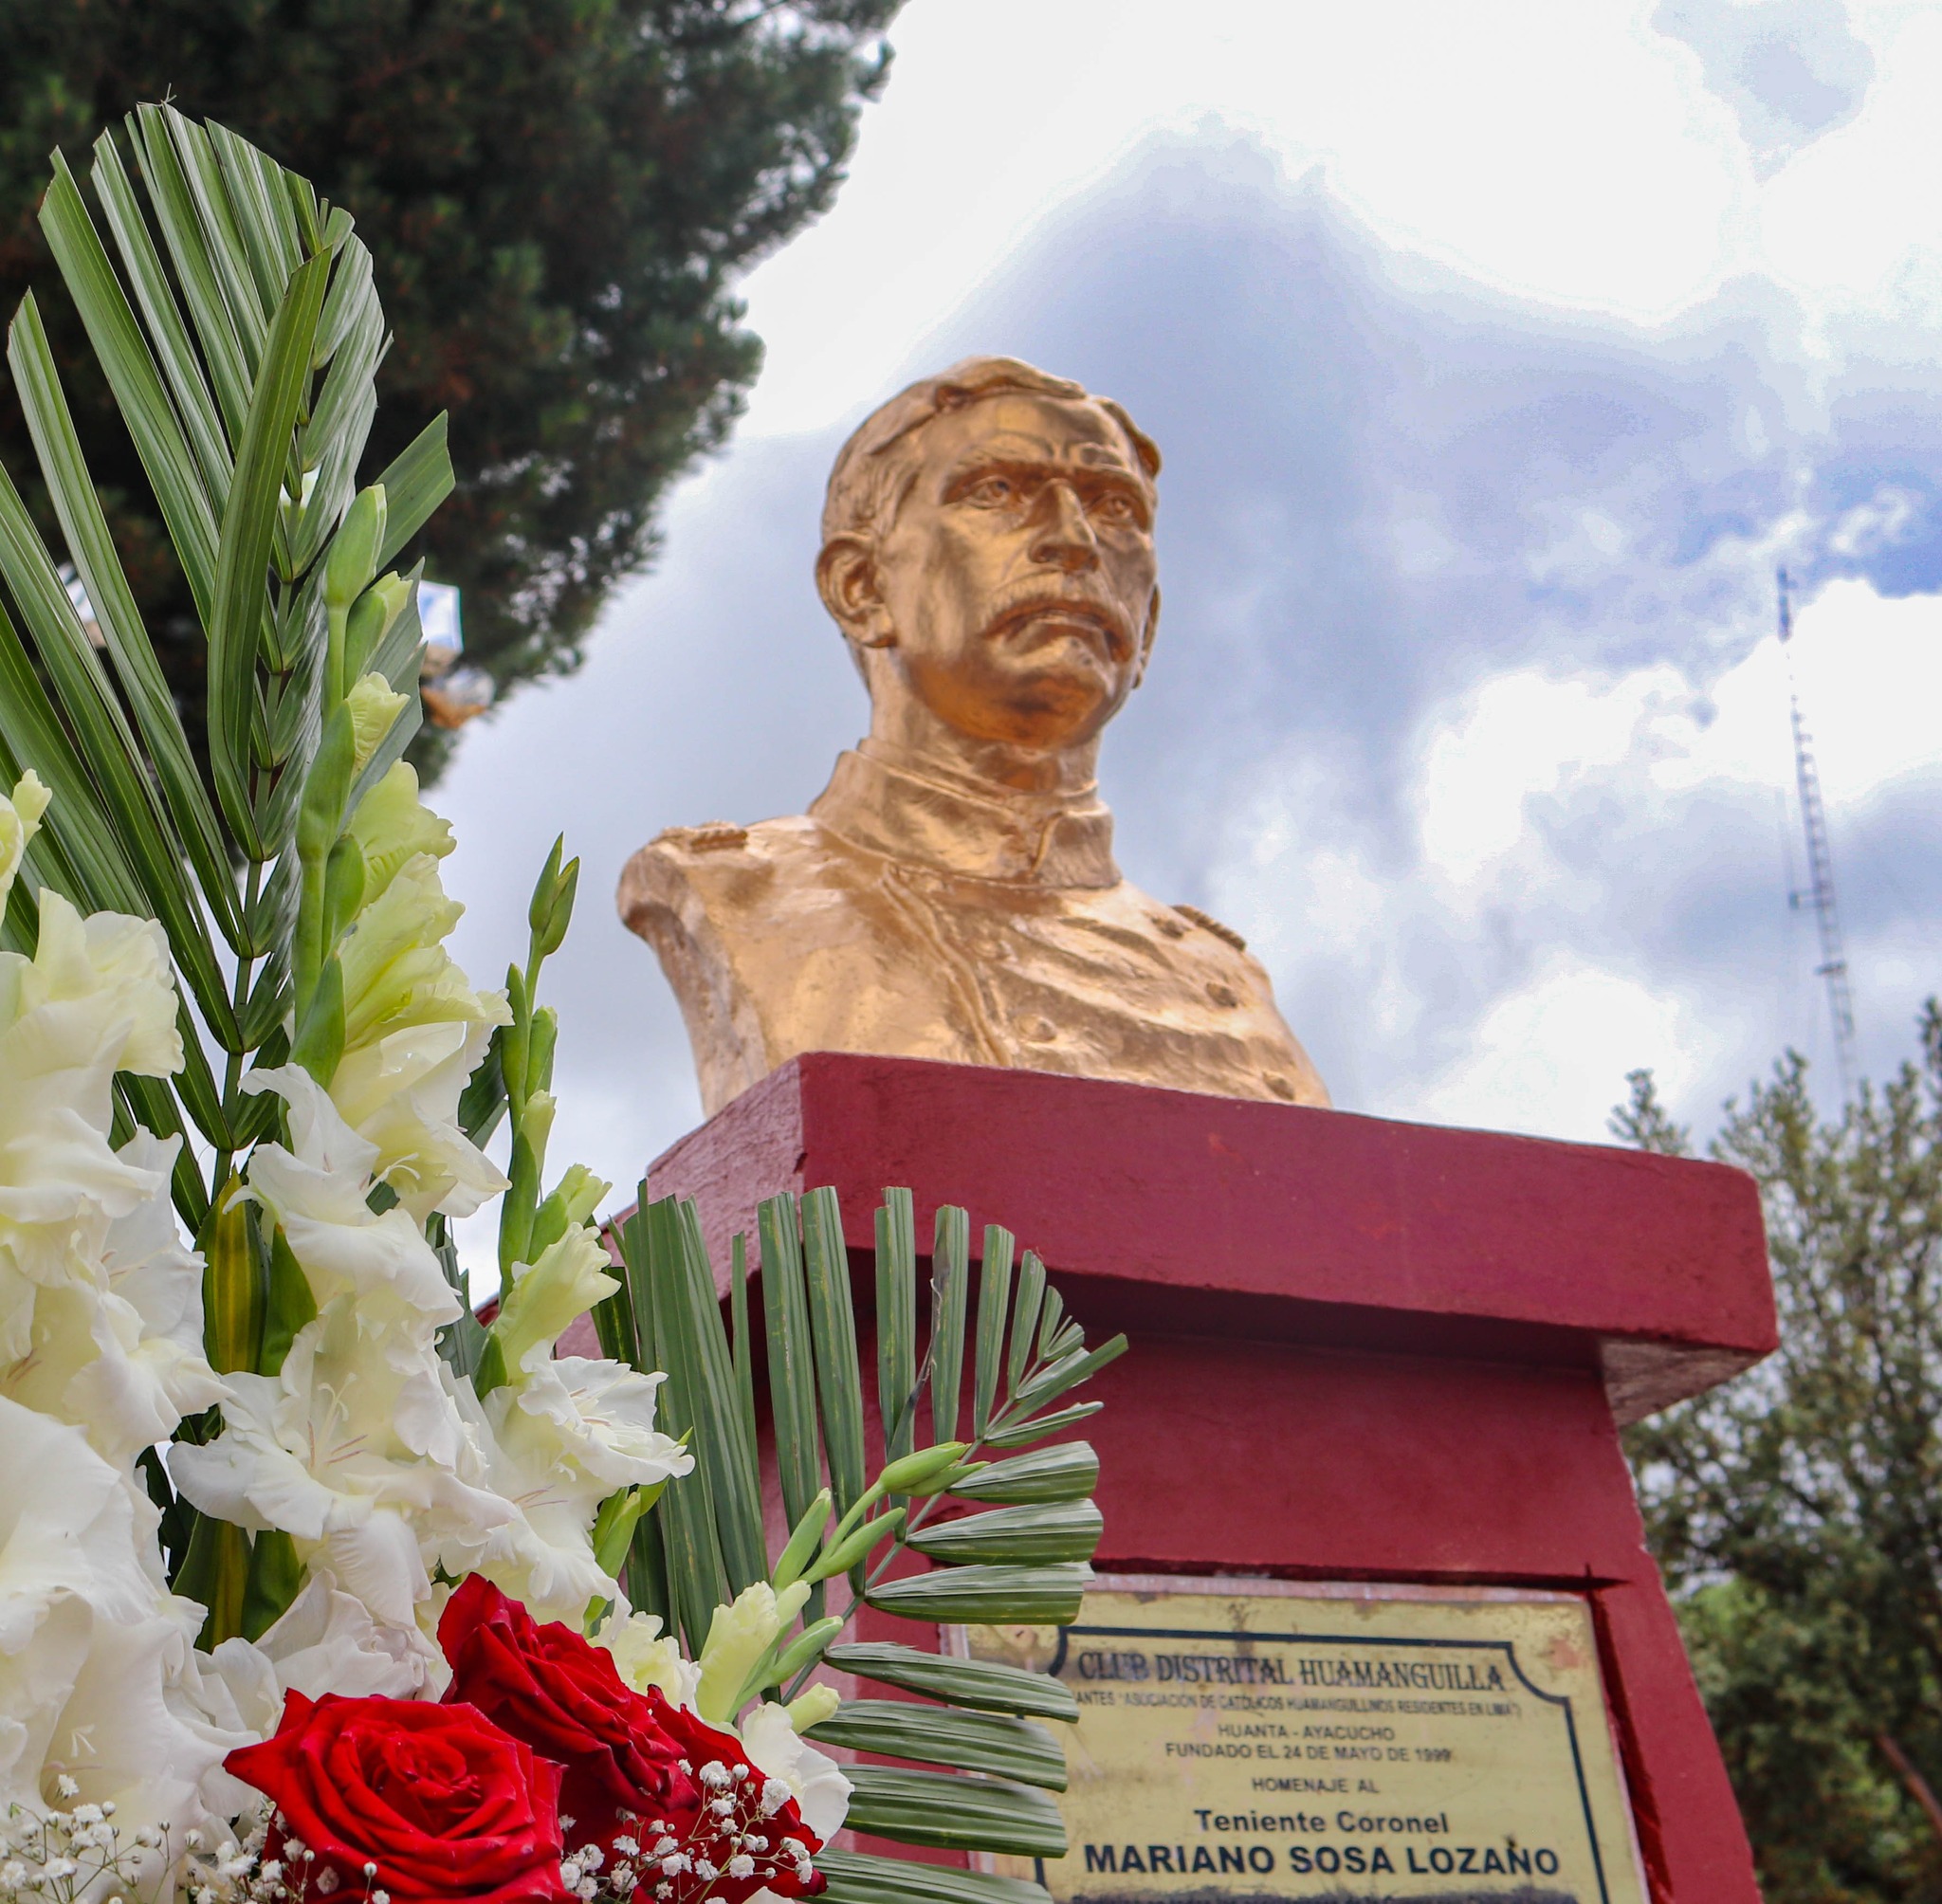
(711, 836)
(1211, 924)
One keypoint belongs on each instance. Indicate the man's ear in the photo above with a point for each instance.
(847, 579)
(1152, 628)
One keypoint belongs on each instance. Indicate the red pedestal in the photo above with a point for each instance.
(1359, 1349)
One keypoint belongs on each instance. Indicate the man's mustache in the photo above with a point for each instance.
(1035, 604)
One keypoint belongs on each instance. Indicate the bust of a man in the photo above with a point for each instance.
(988, 556)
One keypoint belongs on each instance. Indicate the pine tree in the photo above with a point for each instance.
(559, 194)
(1797, 1512)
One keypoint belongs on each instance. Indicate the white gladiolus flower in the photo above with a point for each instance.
(320, 1196)
(101, 1692)
(413, 1028)
(392, 827)
(645, 1656)
(95, 998)
(98, 1674)
(356, 1451)
(552, 1294)
(375, 705)
(328, 1642)
(543, 1555)
(737, 1638)
(402, 1092)
(596, 1417)
(815, 1780)
(119, 1353)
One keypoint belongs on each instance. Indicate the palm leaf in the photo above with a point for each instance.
(950, 1280)
(955, 1814)
(1069, 1471)
(832, 1326)
(249, 522)
(994, 1303)
(896, 1322)
(855, 1878)
(1021, 1561)
(92, 548)
(979, 1683)
(976, 1742)
(1061, 1530)
(190, 519)
(234, 320)
(697, 1580)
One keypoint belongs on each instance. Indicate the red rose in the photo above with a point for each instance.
(548, 1687)
(450, 1809)
(748, 1815)
(684, 1800)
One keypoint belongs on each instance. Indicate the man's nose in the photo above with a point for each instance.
(1064, 539)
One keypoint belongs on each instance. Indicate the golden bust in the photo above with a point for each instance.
(988, 554)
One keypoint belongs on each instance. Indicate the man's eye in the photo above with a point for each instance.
(991, 491)
(1115, 508)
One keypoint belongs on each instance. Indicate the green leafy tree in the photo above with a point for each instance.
(561, 192)
(1797, 1511)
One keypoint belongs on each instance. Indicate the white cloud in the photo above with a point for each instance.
(1430, 120)
(1497, 972)
(1523, 734)
(1870, 670)
(1573, 154)
(1550, 1058)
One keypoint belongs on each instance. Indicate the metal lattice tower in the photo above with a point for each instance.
(1819, 897)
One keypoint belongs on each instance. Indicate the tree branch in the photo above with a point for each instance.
(1918, 1787)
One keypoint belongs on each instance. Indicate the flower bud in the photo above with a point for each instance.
(372, 615)
(805, 1649)
(815, 1704)
(375, 705)
(20, 819)
(353, 559)
(552, 907)
(849, 1550)
(907, 1475)
(802, 1540)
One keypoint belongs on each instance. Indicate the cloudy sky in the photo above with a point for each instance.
(1498, 355)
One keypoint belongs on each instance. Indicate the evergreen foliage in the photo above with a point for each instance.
(1796, 1510)
(561, 192)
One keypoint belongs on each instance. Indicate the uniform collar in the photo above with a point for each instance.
(973, 827)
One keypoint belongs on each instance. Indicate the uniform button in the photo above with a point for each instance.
(1222, 995)
(1280, 1086)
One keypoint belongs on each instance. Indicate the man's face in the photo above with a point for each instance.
(1017, 581)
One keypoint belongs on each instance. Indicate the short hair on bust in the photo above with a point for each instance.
(874, 469)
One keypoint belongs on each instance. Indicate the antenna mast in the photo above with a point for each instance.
(1819, 893)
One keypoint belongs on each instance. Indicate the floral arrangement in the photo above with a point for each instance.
(312, 1583)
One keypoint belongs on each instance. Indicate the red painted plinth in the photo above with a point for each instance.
(1359, 1349)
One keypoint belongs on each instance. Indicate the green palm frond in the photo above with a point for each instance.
(984, 1761)
(232, 315)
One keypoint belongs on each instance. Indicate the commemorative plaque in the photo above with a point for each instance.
(1263, 1739)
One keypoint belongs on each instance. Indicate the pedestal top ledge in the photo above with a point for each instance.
(1168, 1211)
